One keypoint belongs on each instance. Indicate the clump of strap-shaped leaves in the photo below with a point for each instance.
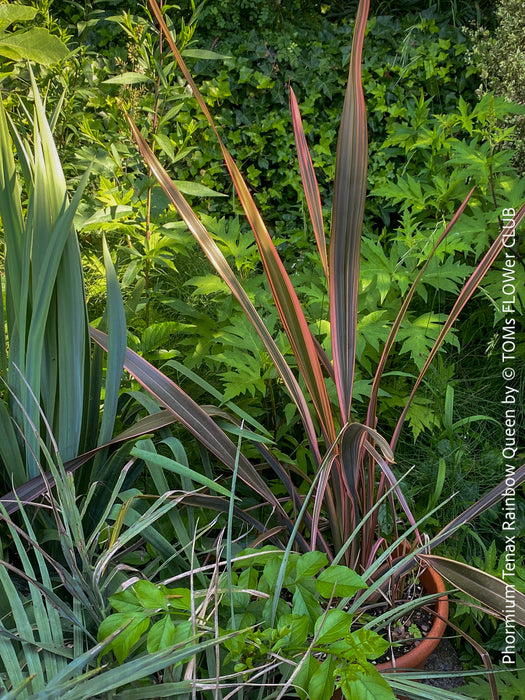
(46, 365)
(351, 460)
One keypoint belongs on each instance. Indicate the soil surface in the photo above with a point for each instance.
(444, 658)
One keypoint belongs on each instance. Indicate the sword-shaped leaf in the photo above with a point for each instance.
(34, 488)
(191, 415)
(311, 189)
(220, 264)
(286, 300)
(496, 594)
(347, 221)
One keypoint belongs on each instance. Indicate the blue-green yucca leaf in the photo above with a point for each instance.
(39, 360)
(10, 195)
(70, 327)
(9, 448)
(134, 670)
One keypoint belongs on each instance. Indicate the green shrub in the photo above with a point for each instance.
(500, 58)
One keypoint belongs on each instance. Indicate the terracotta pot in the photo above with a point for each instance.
(415, 659)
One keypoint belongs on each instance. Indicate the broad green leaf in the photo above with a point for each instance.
(130, 78)
(134, 628)
(203, 54)
(305, 601)
(126, 602)
(150, 596)
(14, 12)
(332, 626)
(339, 581)
(161, 635)
(34, 45)
(196, 189)
(310, 563)
(309, 666)
(251, 556)
(296, 628)
(369, 643)
(322, 681)
(178, 598)
(358, 685)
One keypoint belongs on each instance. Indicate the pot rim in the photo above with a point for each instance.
(416, 657)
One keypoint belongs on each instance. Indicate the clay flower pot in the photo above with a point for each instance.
(415, 659)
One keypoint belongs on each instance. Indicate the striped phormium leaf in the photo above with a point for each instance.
(217, 259)
(347, 221)
(311, 189)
